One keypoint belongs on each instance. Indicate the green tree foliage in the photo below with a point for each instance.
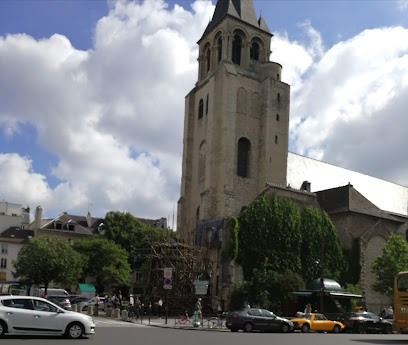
(273, 229)
(129, 232)
(266, 289)
(269, 230)
(394, 258)
(43, 260)
(230, 250)
(104, 260)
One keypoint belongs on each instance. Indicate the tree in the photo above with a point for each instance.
(269, 229)
(43, 260)
(104, 260)
(394, 259)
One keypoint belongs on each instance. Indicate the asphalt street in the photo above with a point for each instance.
(116, 332)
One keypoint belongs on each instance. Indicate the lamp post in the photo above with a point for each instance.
(322, 267)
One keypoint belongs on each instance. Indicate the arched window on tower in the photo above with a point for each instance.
(236, 49)
(200, 109)
(208, 60)
(206, 104)
(202, 161)
(254, 51)
(219, 49)
(244, 148)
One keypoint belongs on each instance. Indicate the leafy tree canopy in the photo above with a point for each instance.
(394, 258)
(275, 231)
(129, 232)
(104, 260)
(43, 260)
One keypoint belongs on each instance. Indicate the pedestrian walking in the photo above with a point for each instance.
(197, 312)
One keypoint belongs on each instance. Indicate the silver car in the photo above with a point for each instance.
(35, 315)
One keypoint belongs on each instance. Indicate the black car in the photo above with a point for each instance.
(366, 322)
(250, 319)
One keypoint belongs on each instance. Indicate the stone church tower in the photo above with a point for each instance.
(236, 119)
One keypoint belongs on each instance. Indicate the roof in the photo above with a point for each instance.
(348, 199)
(87, 287)
(241, 9)
(329, 285)
(80, 224)
(16, 234)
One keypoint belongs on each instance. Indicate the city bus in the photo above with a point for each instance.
(400, 322)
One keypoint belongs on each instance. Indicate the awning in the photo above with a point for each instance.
(87, 287)
(302, 293)
(345, 294)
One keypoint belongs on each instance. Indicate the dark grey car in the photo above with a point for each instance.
(257, 319)
(60, 300)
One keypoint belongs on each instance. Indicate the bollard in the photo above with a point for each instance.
(109, 312)
(124, 315)
(95, 311)
(116, 313)
(74, 307)
(90, 310)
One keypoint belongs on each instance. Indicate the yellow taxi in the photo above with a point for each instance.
(316, 322)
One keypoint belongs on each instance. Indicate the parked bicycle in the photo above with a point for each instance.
(217, 321)
(185, 318)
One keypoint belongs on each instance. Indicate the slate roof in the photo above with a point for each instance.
(241, 9)
(80, 224)
(16, 235)
(348, 199)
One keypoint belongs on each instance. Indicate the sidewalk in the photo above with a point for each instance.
(172, 322)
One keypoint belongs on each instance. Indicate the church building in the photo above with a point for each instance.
(235, 147)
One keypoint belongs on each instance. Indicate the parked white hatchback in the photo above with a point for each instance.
(35, 315)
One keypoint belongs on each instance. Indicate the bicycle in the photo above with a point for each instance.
(217, 321)
(185, 318)
(131, 316)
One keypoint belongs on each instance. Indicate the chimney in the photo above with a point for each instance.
(89, 219)
(306, 186)
(37, 219)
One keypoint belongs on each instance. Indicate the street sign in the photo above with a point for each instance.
(167, 281)
(167, 272)
(167, 287)
(201, 287)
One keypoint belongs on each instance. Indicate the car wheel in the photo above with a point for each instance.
(336, 329)
(3, 328)
(285, 328)
(305, 328)
(248, 327)
(74, 330)
(360, 328)
(388, 329)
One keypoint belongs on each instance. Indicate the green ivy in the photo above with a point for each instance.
(230, 250)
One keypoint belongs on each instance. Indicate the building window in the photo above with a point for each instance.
(138, 276)
(3, 263)
(208, 59)
(254, 51)
(244, 147)
(201, 163)
(278, 76)
(4, 248)
(219, 49)
(58, 226)
(277, 117)
(236, 49)
(200, 109)
(278, 97)
(276, 139)
(71, 227)
(206, 104)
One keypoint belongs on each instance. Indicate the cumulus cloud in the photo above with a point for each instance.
(350, 108)
(112, 115)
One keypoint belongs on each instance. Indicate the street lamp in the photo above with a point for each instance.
(322, 267)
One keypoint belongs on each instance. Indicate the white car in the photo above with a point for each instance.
(35, 315)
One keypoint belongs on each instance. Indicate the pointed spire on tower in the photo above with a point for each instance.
(241, 9)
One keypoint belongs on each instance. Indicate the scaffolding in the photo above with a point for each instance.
(188, 263)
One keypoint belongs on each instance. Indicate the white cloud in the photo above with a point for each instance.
(113, 115)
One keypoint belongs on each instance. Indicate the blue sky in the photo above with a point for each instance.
(77, 130)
